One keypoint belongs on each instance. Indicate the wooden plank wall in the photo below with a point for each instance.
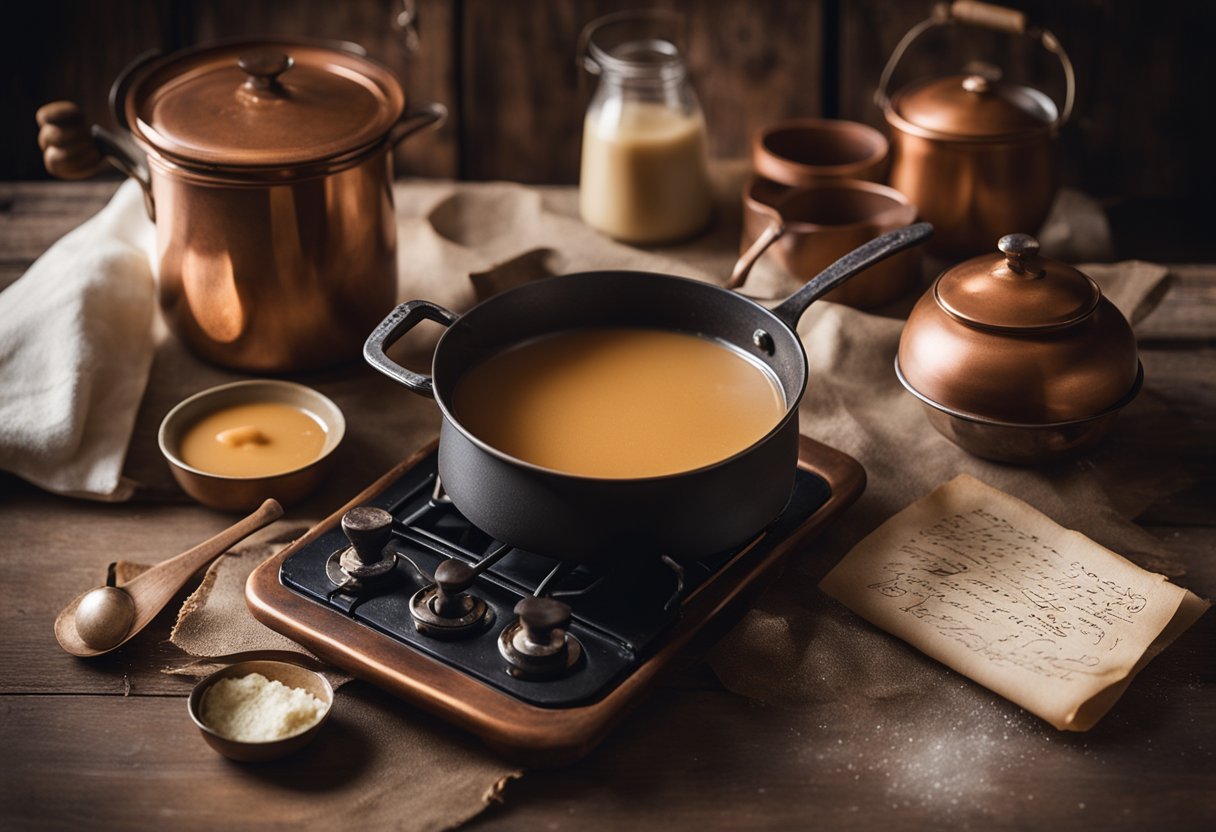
(506, 69)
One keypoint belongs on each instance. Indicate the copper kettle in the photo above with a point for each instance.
(973, 152)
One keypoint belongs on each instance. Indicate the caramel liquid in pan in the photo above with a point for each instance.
(618, 402)
(253, 440)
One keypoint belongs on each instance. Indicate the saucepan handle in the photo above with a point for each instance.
(859, 259)
(391, 330)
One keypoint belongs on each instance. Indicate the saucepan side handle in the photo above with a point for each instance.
(859, 259)
(391, 330)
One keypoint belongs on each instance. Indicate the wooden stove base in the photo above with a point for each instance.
(532, 735)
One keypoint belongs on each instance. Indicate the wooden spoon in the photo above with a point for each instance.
(137, 602)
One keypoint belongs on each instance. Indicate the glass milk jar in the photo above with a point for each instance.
(644, 176)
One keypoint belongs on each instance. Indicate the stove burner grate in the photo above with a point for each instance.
(463, 614)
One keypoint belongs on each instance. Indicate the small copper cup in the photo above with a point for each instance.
(817, 151)
(817, 225)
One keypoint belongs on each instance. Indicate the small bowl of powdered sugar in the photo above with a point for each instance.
(259, 710)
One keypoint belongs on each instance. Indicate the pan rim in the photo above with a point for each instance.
(792, 402)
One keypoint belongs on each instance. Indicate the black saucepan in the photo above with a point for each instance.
(685, 515)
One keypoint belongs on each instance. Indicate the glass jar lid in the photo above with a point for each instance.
(262, 104)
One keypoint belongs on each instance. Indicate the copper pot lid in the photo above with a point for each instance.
(973, 107)
(1017, 289)
(266, 103)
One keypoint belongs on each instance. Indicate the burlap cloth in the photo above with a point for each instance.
(798, 649)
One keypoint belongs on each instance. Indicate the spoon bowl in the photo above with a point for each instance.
(104, 616)
(103, 612)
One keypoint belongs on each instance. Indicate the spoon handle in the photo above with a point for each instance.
(173, 572)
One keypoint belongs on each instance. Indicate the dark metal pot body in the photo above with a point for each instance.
(685, 515)
(588, 519)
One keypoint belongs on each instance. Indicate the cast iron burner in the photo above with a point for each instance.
(538, 657)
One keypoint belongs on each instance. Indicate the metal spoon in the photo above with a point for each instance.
(107, 617)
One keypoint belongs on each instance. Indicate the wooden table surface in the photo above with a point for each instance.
(106, 743)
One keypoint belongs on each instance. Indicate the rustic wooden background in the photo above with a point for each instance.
(1142, 130)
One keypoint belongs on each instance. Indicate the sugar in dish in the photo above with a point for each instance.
(261, 709)
(253, 708)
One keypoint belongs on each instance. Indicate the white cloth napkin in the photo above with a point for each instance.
(75, 351)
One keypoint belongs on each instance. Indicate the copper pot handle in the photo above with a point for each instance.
(988, 16)
(431, 116)
(73, 150)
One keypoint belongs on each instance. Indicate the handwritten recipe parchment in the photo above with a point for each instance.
(987, 585)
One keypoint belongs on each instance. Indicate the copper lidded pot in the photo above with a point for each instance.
(267, 168)
(1019, 358)
(974, 153)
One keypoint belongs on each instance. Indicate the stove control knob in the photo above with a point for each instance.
(542, 624)
(369, 531)
(537, 645)
(452, 578)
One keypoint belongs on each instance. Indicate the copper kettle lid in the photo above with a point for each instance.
(1016, 289)
(268, 103)
(973, 106)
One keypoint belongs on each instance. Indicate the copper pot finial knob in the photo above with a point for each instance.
(1018, 248)
(264, 68)
(976, 84)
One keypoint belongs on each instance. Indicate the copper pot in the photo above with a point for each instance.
(974, 153)
(1019, 358)
(267, 168)
(812, 227)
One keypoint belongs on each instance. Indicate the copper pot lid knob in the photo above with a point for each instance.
(976, 84)
(1019, 249)
(1017, 289)
(264, 68)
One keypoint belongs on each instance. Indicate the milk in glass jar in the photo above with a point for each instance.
(644, 176)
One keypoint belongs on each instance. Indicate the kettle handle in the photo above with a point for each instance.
(988, 16)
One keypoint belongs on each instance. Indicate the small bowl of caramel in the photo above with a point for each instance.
(233, 446)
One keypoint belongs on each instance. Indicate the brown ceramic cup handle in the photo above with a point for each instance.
(431, 116)
(773, 232)
(989, 16)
